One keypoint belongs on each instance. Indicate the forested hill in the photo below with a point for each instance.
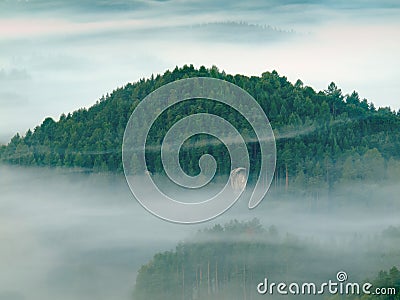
(229, 261)
(322, 137)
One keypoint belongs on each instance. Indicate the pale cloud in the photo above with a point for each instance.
(13, 74)
(31, 28)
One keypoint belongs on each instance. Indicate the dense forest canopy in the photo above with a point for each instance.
(322, 137)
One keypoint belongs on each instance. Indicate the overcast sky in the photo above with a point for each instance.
(57, 56)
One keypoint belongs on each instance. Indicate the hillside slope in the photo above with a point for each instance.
(322, 137)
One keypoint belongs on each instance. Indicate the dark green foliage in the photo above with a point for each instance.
(323, 137)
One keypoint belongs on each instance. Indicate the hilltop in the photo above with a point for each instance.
(323, 137)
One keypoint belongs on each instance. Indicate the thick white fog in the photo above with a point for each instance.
(73, 236)
(70, 235)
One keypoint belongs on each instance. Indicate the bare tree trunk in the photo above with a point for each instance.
(287, 178)
(251, 284)
(208, 277)
(183, 282)
(278, 182)
(277, 179)
(216, 276)
(327, 169)
(201, 280)
(177, 276)
(197, 283)
(244, 282)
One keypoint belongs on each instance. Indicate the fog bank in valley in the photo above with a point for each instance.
(67, 234)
